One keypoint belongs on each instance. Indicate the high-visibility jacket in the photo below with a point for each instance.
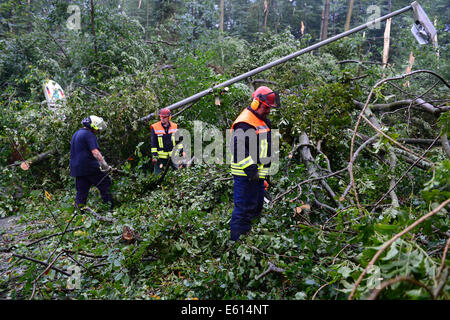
(243, 162)
(162, 140)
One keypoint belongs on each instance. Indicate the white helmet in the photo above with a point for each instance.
(94, 122)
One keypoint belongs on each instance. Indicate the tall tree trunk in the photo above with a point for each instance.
(30, 24)
(146, 20)
(324, 24)
(409, 67)
(221, 14)
(93, 26)
(349, 15)
(266, 14)
(361, 51)
(387, 37)
(333, 18)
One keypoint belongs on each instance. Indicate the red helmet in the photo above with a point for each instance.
(267, 97)
(165, 112)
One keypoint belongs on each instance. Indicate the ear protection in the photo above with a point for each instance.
(254, 105)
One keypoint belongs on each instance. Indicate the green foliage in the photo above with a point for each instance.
(437, 189)
(322, 111)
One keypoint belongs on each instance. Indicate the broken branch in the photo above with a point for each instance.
(271, 268)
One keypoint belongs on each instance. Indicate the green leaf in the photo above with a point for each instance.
(391, 253)
(300, 295)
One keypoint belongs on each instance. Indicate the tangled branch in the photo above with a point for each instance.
(388, 243)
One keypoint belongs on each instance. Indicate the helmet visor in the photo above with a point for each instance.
(97, 123)
(101, 125)
(271, 99)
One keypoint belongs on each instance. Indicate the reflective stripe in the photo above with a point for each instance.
(264, 146)
(248, 117)
(163, 155)
(243, 163)
(238, 172)
(160, 132)
(262, 172)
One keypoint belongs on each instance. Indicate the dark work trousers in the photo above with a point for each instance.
(157, 166)
(248, 203)
(100, 180)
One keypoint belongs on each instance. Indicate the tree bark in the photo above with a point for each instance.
(146, 20)
(445, 144)
(387, 38)
(221, 14)
(409, 68)
(418, 104)
(93, 26)
(324, 24)
(266, 14)
(311, 166)
(349, 15)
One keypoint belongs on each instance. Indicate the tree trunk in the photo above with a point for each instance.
(30, 24)
(349, 15)
(146, 20)
(221, 14)
(324, 24)
(266, 14)
(387, 37)
(93, 26)
(409, 68)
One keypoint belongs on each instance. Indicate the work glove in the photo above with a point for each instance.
(266, 185)
(104, 167)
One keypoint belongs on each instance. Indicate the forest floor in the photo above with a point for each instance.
(12, 232)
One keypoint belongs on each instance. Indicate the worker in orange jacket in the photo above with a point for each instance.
(162, 141)
(251, 145)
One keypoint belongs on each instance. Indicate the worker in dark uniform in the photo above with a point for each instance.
(87, 164)
(251, 145)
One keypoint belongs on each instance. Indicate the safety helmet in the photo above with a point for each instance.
(267, 97)
(94, 122)
(165, 112)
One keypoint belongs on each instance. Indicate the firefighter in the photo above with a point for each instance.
(87, 164)
(162, 141)
(251, 153)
